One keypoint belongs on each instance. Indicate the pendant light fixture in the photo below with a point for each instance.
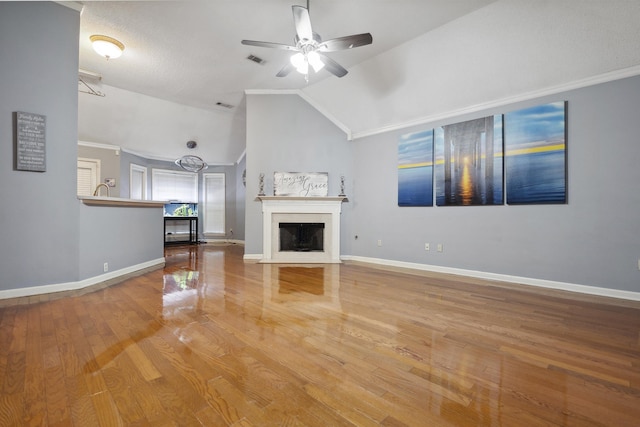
(107, 46)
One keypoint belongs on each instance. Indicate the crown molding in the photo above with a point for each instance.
(526, 96)
(333, 119)
(242, 156)
(100, 145)
(77, 6)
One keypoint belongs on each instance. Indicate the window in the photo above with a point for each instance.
(88, 176)
(214, 203)
(137, 182)
(174, 185)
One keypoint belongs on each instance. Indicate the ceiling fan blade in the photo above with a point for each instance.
(285, 70)
(347, 42)
(268, 44)
(332, 66)
(302, 22)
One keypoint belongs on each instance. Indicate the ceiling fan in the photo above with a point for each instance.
(310, 49)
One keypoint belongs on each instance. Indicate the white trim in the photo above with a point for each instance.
(552, 90)
(242, 156)
(272, 92)
(252, 257)
(150, 156)
(77, 6)
(300, 209)
(213, 240)
(133, 167)
(73, 286)
(99, 145)
(333, 119)
(515, 280)
(94, 167)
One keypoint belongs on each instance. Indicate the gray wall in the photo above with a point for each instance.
(231, 189)
(593, 240)
(240, 195)
(48, 236)
(119, 236)
(286, 134)
(125, 168)
(109, 166)
(38, 74)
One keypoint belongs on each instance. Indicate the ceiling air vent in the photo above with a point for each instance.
(223, 105)
(256, 59)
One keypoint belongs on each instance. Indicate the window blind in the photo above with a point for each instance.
(214, 203)
(174, 185)
(137, 182)
(88, 176)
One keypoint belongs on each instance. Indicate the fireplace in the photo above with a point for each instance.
(301, 229)
(301, 236)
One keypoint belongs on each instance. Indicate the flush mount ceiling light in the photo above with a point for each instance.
(106, 46)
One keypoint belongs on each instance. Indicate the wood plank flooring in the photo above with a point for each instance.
(212, 341)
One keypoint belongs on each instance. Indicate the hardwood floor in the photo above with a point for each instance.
(212, 341)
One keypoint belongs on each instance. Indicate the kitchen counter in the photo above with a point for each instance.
(117, 201)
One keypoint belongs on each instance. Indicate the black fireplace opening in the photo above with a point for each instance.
(301, 236)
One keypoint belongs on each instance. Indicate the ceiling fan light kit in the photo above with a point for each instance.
(302, 62)
(106, 46)
(310, 49)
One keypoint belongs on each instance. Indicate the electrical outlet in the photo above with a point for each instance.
(440, 247)
(426, 247)
(379, 242)
(106, 267)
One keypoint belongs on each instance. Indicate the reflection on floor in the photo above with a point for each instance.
(212, 341)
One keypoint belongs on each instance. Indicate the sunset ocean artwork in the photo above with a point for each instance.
(469, 167)
(535, 154)
(415, 169)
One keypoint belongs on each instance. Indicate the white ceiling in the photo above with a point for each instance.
(189, 52)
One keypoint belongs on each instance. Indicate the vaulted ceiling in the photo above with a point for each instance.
(189, 52)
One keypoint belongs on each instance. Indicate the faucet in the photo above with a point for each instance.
(95, 193)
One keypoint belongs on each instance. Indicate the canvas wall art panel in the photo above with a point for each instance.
(415, 169)
(469, 163)
(535, 154)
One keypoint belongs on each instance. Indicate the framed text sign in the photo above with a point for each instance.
(301, 184)
(30, 141)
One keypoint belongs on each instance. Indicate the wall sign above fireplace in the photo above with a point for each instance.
(301, 184)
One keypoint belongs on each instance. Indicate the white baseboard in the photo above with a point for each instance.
(222, 240)
(252, 257)
(515, 280)
(81, 284)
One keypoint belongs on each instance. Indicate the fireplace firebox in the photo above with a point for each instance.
(301, 236)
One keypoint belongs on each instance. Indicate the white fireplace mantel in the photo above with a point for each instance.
(276, 209)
